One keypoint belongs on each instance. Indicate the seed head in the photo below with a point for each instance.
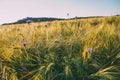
(46, 25)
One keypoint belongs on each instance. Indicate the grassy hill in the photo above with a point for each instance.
(81, 49)
(42, 19)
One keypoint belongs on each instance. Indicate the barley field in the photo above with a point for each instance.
(81, 49)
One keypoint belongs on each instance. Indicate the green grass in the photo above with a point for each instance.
(85, 49)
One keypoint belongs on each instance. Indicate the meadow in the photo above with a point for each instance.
(81, 49)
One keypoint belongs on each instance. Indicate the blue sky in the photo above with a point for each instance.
(12, 10)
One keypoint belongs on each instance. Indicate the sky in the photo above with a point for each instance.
(13, 10)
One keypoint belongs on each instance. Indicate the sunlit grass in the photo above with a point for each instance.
(85, 49)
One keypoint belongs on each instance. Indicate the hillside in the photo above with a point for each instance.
(81, 49)
(45, 19)
(42, 19)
